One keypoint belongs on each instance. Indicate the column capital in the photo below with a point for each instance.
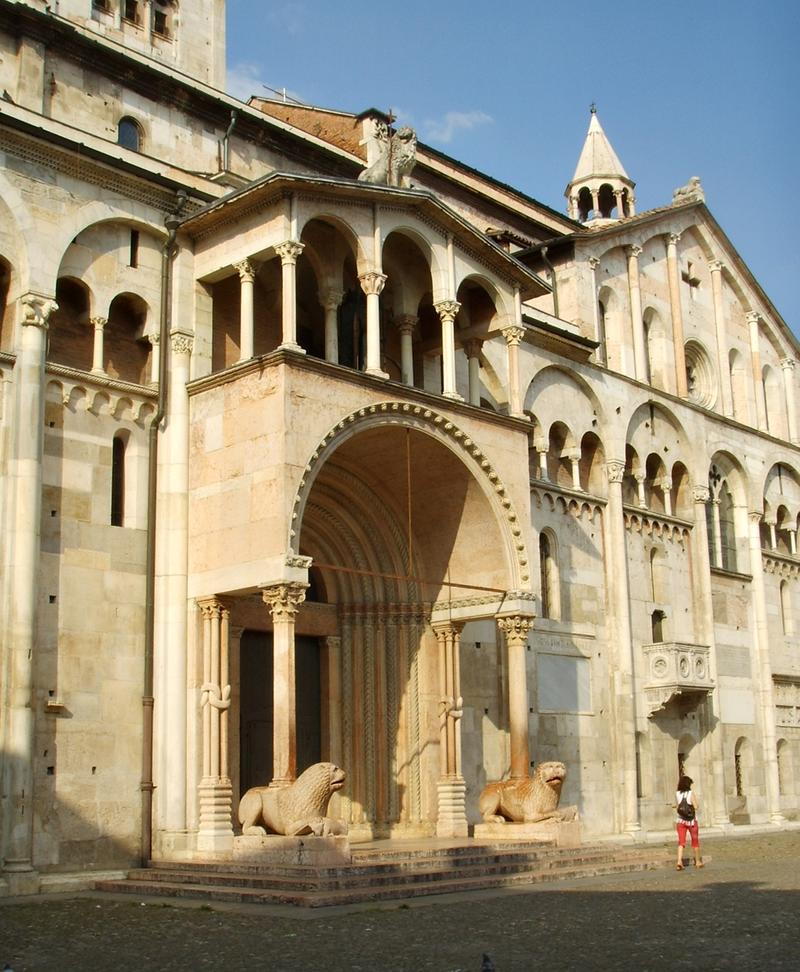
(752, 317)
(405, 323)
(516, 626)
(473, 347)
(247, 272)
(330, 299)
(154, 337)
(372, 282)
(615, 470)
(289, 251)
(715, 266)
(98, 323)
(594, 262)
(211, 607)
(284, 600)
(755, 516)
(513, 335)
(633, 250)
(788, 364)
(181, 343)
(701, 494)
(447, 309)
(37, 309)
(673, 239)
(443, 628)
(665, 484)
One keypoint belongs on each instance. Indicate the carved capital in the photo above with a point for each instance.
(513, 335)
(701, 494)
(37, 310)
(594, 262)
(330, 299)
(755, 516)
(788, 364)
(284, 600)
(372, 282)
(515, 627)
(715, 266)
(473, 347)
(405, 323)
(154, 338)
(181, 343)
(98, 323)
(447, 309)
(674, 239)
(289, 251)
(247, 272)
(752, 317)
(210, 607)
(615, 470)
(633, 251)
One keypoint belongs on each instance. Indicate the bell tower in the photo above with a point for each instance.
(187, 35)
(601, 190)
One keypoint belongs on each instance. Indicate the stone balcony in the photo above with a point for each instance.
(675, 669)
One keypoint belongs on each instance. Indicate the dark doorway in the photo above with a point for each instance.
(255, 721)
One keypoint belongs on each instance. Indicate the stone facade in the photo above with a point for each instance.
(428, 481)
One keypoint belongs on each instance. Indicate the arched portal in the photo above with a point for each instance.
(404, 532)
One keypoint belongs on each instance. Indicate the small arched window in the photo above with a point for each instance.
(118, 481)
(129, 134)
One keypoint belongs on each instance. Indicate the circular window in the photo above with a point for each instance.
(700, 378)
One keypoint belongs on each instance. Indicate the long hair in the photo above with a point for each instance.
(684, 784)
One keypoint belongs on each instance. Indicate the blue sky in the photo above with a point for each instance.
(708, 89)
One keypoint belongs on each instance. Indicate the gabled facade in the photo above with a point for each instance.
(432, 481)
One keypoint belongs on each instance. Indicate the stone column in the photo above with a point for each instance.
(25, 478)
(641, 479)
(763, 668)
(704, 624)
(514, 336)
(283, 601)
(247, 277)
(333, 644)
(788, 365)
(452, 789)
(155, 353)
(599, 330)
(724, 368)
(289, 251)
(542, 448)
(515, 629)
(215, 831)
(98, 323)
(637, 326)
(447, 311)
(473, 349)
(666, 492)
(372, 283)
(331, 301)
(755, 364)
(405, 324)
(619, 196)
(623, 684)
(715, 504)
(676, 312)
(595, 203)
(574, 457)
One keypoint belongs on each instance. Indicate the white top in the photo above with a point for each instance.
(679, 795)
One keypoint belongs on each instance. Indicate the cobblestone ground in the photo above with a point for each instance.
(739, 913)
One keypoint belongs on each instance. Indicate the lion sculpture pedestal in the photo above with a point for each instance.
(527, 809)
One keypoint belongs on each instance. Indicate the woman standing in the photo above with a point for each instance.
(687, 806)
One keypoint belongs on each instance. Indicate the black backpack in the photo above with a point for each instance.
(685, 809)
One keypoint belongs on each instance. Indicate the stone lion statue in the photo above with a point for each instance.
(530, 800)
(297, 809)
(692, 190)
(398, 155)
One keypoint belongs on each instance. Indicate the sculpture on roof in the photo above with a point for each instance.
(398, 155)
(691, 192)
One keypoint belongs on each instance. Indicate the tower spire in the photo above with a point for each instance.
(600, 189)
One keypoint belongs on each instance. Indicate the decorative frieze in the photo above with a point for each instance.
(787, 703)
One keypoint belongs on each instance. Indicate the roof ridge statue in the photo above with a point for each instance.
(397, 157)
(691, 192)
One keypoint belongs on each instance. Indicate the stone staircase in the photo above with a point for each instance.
(395, 872)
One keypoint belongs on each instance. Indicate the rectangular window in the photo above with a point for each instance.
(160, 23)
(130, 11)
(133, 260)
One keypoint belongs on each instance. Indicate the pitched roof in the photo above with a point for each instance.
(598, 158)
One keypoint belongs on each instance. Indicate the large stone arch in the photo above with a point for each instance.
(508, 560)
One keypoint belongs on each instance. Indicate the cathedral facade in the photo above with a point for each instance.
(317, 444)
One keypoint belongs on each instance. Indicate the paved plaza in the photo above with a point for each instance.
(740, 913)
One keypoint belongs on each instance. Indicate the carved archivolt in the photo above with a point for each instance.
(426, 420)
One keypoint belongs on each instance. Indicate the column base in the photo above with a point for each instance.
(452, 816)
(291, 346)
(21, 878)
(376, 373)
(453, 396)
(215, 830)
